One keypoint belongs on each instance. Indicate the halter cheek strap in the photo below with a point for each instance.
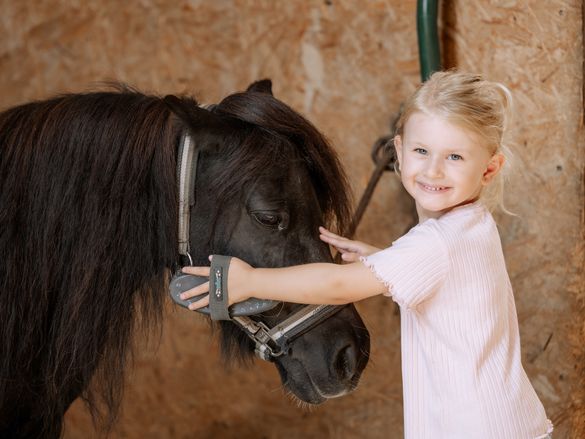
(186, 171)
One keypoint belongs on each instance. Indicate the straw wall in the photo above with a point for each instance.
(347, 66)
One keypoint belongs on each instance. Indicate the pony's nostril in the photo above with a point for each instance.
(345, 362)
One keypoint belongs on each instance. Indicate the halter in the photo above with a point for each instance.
(186, 172)
(269, 342)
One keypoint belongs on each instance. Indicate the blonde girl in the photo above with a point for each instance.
(461, 365)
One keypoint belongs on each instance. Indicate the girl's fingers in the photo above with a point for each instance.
(200, 303)
(324, 230)
(197, 271)
(350, 257)
(332, 239)
(339, 243)
(329, 233)
(199, 289)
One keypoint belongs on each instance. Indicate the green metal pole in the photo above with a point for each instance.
(428, 39)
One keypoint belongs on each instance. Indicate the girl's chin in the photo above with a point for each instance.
(433, 210)
(436, 207)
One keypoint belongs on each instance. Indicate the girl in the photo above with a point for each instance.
(461, 365)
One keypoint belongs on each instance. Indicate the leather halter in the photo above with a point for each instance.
(186, 172)
(269, 342)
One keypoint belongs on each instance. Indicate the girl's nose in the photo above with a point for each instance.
(434, 168)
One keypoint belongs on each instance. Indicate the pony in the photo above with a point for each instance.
(88, 239)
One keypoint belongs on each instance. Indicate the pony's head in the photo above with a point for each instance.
(266, 180)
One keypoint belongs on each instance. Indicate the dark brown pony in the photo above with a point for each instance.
(88, 238)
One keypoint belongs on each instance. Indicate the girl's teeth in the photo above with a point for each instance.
(431, 188)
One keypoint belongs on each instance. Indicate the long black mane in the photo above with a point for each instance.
(88, 214)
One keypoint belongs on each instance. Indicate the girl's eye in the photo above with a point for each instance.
(455, 157)
(420, 151)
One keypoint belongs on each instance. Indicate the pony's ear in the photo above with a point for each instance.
(189, 112)
(207, 127)
(262, 86)
(195, 117)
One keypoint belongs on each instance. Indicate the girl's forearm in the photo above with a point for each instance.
(318, 283)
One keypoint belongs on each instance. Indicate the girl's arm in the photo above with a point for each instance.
(319, 283)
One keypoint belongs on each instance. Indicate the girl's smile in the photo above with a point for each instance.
(431, 188)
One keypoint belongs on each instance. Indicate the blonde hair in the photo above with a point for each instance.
(473, 103)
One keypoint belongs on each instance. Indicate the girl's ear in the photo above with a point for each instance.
(494, 166)
(398, 148)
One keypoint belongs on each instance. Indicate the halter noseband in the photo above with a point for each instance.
(269, 342)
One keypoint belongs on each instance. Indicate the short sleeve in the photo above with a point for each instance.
(414, 267)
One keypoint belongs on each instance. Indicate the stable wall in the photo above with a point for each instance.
(347, 66)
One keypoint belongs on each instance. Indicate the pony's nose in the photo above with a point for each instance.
(345, 362)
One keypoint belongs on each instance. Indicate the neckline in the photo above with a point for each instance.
(467, 206)
(463, 209)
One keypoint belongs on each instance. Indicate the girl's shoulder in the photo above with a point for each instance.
(464, 218)
(471, 225)
(475, 209)
(469, 221)
(426, 235)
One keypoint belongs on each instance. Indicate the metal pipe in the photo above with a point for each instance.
(428, 40)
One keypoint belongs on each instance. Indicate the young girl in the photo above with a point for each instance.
(461, 364)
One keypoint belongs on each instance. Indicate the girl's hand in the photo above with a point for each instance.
(350, 250)
(238, 282)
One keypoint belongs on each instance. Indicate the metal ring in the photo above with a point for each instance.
(383, 151)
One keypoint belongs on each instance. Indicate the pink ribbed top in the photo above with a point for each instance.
(461, 366)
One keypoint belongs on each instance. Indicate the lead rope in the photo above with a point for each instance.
(383, 156)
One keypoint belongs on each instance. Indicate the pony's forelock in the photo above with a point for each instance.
(287, 135)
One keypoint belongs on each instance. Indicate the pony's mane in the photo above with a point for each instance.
(87, 228)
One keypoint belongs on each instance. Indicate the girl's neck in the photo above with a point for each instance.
(424, 214)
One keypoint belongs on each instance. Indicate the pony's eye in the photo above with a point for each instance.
(270, 219)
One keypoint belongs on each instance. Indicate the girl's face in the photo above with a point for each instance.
(442, 165)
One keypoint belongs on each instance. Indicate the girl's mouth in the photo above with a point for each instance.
(432, 188)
